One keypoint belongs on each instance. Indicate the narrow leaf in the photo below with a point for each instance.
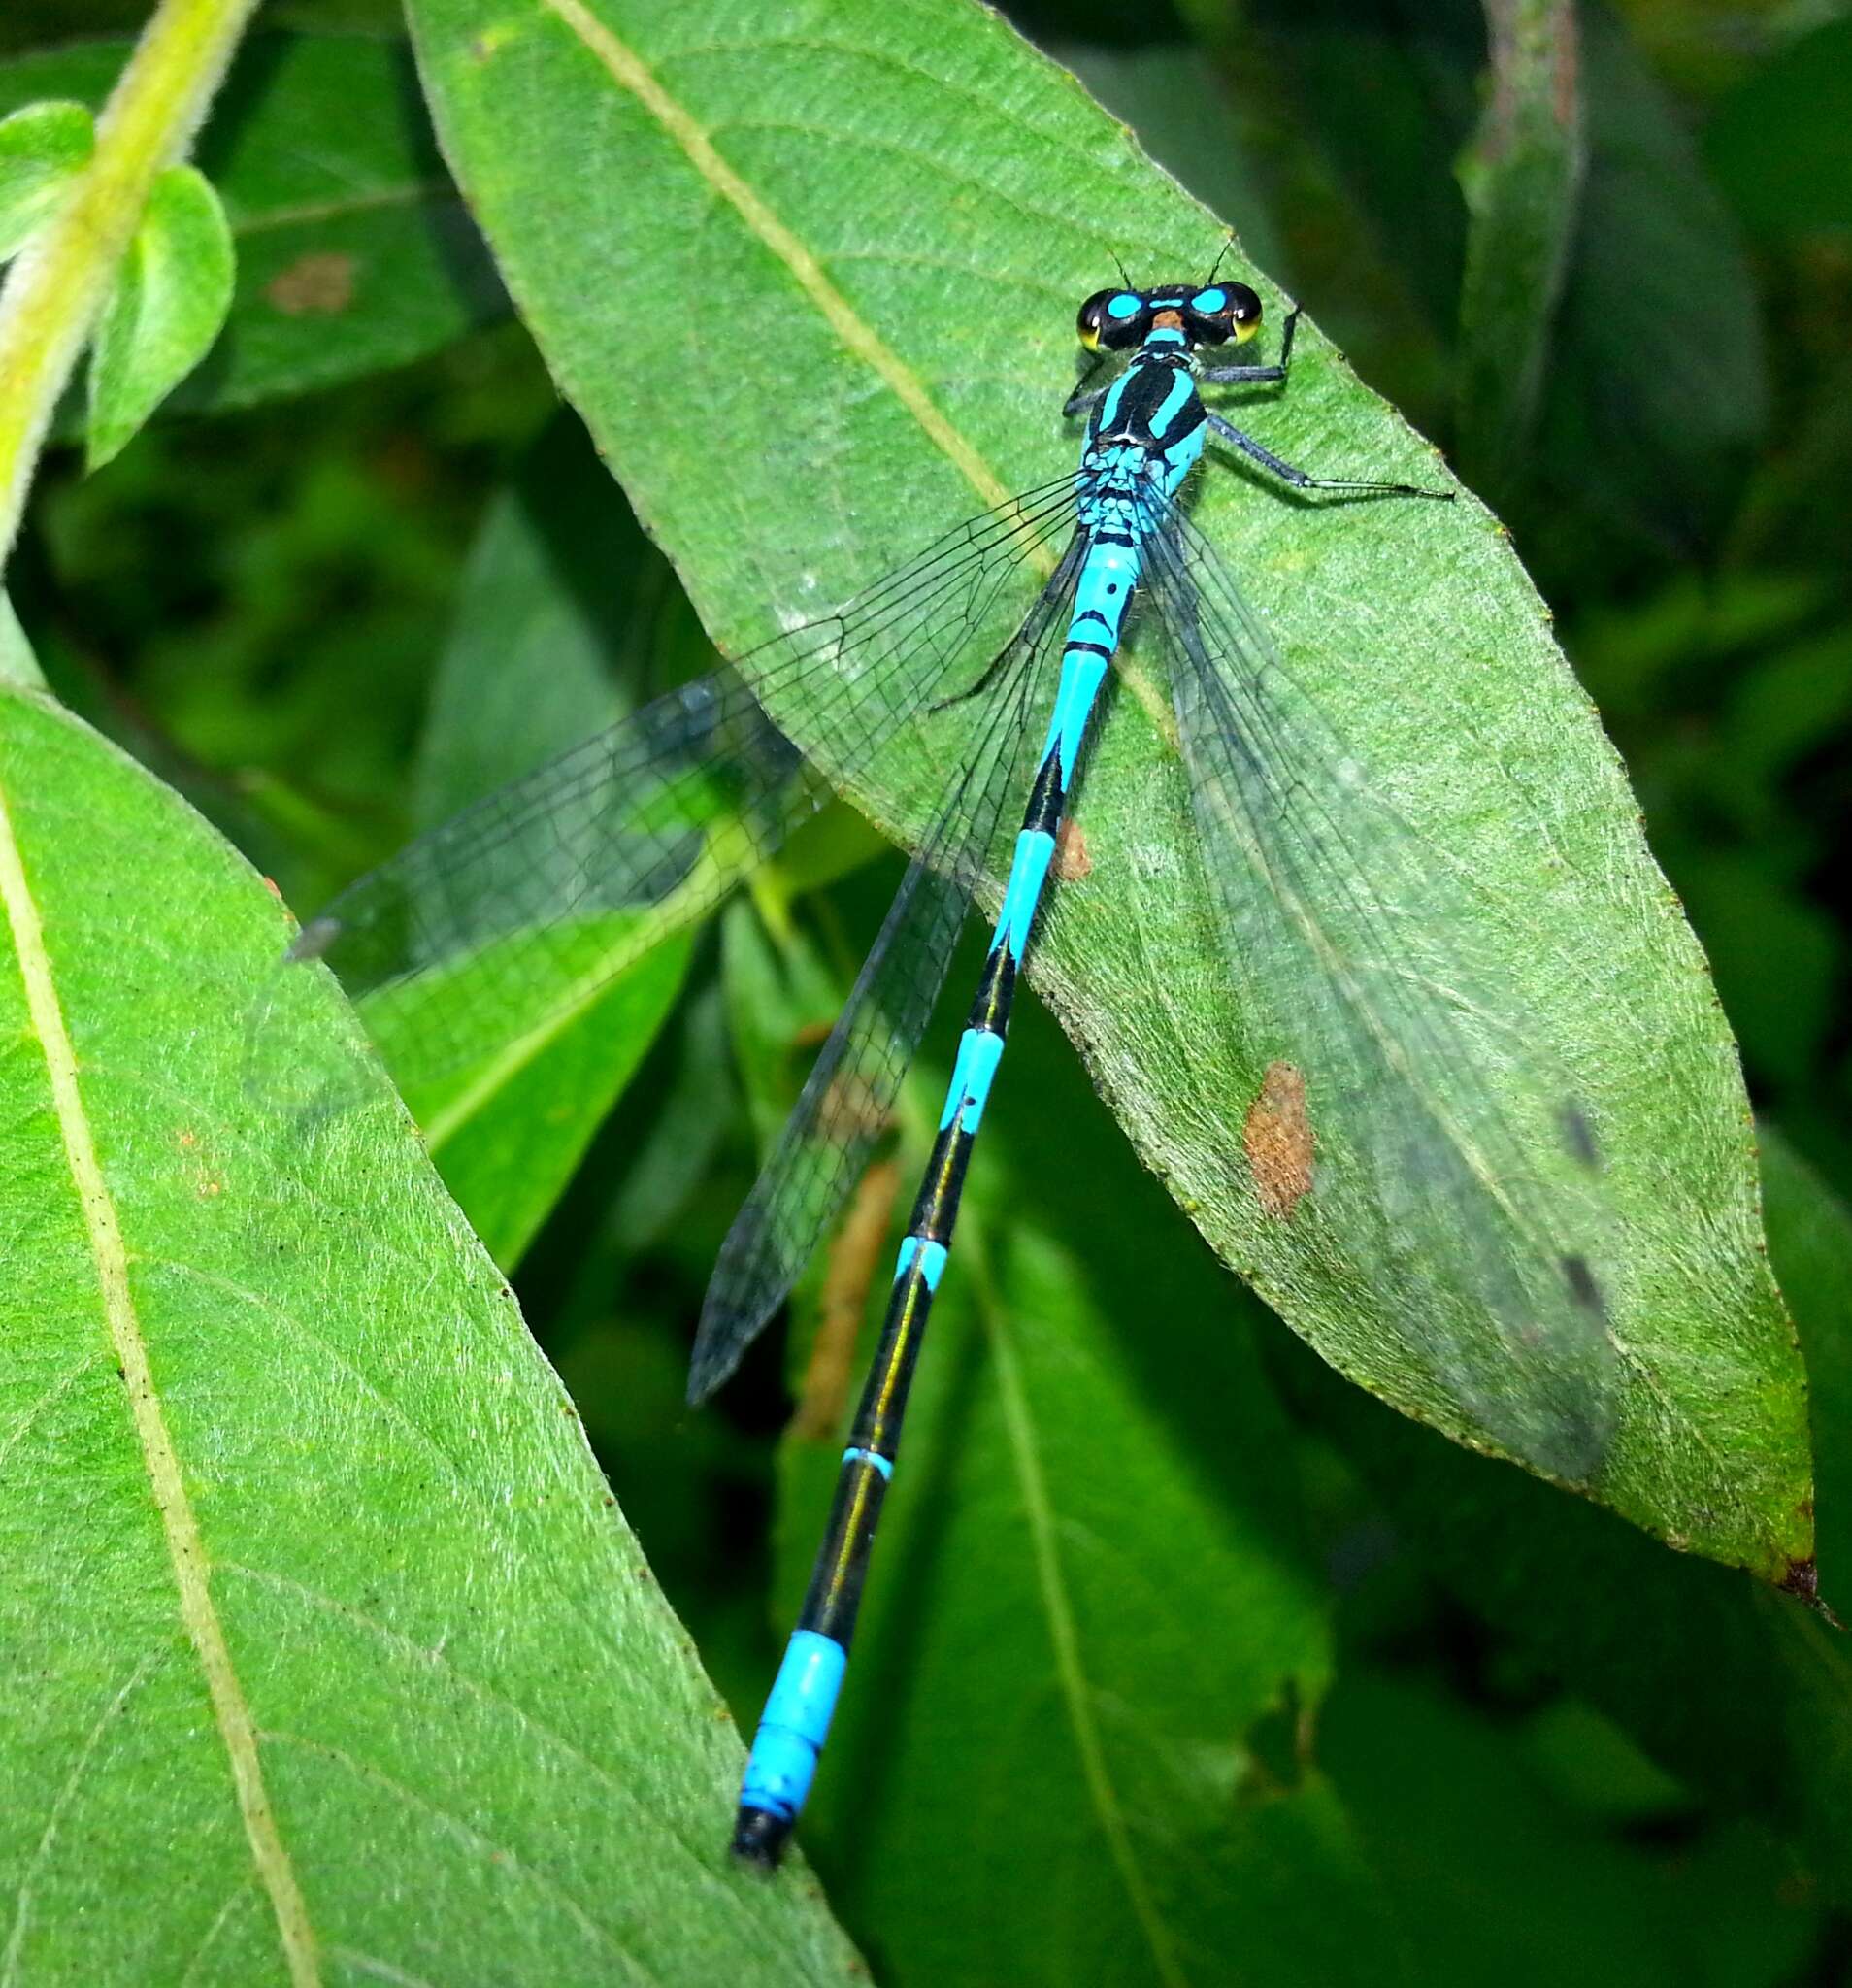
(895, 340)
(1660, 375)
(169, 302)
(19, 666)
(1495, 1877)
(567, 618)
(1522, 180)
(544, 652)
(325, 1654)
(42, 148)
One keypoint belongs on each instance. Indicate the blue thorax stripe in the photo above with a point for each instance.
(1182, 392)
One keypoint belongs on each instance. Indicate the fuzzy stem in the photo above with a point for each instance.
(62, 278)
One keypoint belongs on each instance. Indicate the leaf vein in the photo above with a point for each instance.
(1064, 1633)
(21, 1913)
(187, 1551)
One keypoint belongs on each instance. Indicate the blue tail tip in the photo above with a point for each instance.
(759, 1838)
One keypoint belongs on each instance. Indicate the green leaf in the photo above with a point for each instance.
(507, 1134)
(42, 148)
(890, 377)
(1660, 382)
(1093, 1625)
(19, 666)
(894, 397)
(1177, 110)
(1780, 145)
(326, 1654)
(567, 618)
(355, 251)
(1744, 1693)
(1355, 114)
(1522, 180)
(171, 296)
(1495, 1878)
(545, 653)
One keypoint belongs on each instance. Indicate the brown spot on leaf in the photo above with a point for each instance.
(1278, 1138)
(1073, 859)
(1801, 1578)
(1803, 1581)
(314, 285)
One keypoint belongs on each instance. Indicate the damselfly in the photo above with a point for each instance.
(1409, 1138)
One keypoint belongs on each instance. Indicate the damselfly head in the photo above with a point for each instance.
(1207, 314)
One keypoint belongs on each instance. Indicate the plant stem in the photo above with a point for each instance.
(62, 278)
(1522, 178)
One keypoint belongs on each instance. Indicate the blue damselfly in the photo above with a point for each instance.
(1409, 1133)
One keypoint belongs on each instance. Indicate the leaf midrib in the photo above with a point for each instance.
(180, 1524)
(1064, 1633)
(860, 337)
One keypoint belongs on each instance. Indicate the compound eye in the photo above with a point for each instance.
(1090, 324)
(1112, 318)
(1210, 316)
(1244, 310)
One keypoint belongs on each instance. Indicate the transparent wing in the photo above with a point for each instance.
(495, 927)
(846, 1100)
(1408, 1131)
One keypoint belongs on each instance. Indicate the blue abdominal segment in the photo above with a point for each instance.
(793, 1726)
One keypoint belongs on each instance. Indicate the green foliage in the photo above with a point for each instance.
(525, 675)
(1176, 1582)
(886, 356)
(41, 149)
(171, 296)
(353, 248)
(1522, 182)
(18, 664)
(343, 1582)
(1781, 143)
(1183, 1660)
(1737, 1693)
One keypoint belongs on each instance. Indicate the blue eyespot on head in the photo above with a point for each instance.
(1220, 312)
(1113, 320)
